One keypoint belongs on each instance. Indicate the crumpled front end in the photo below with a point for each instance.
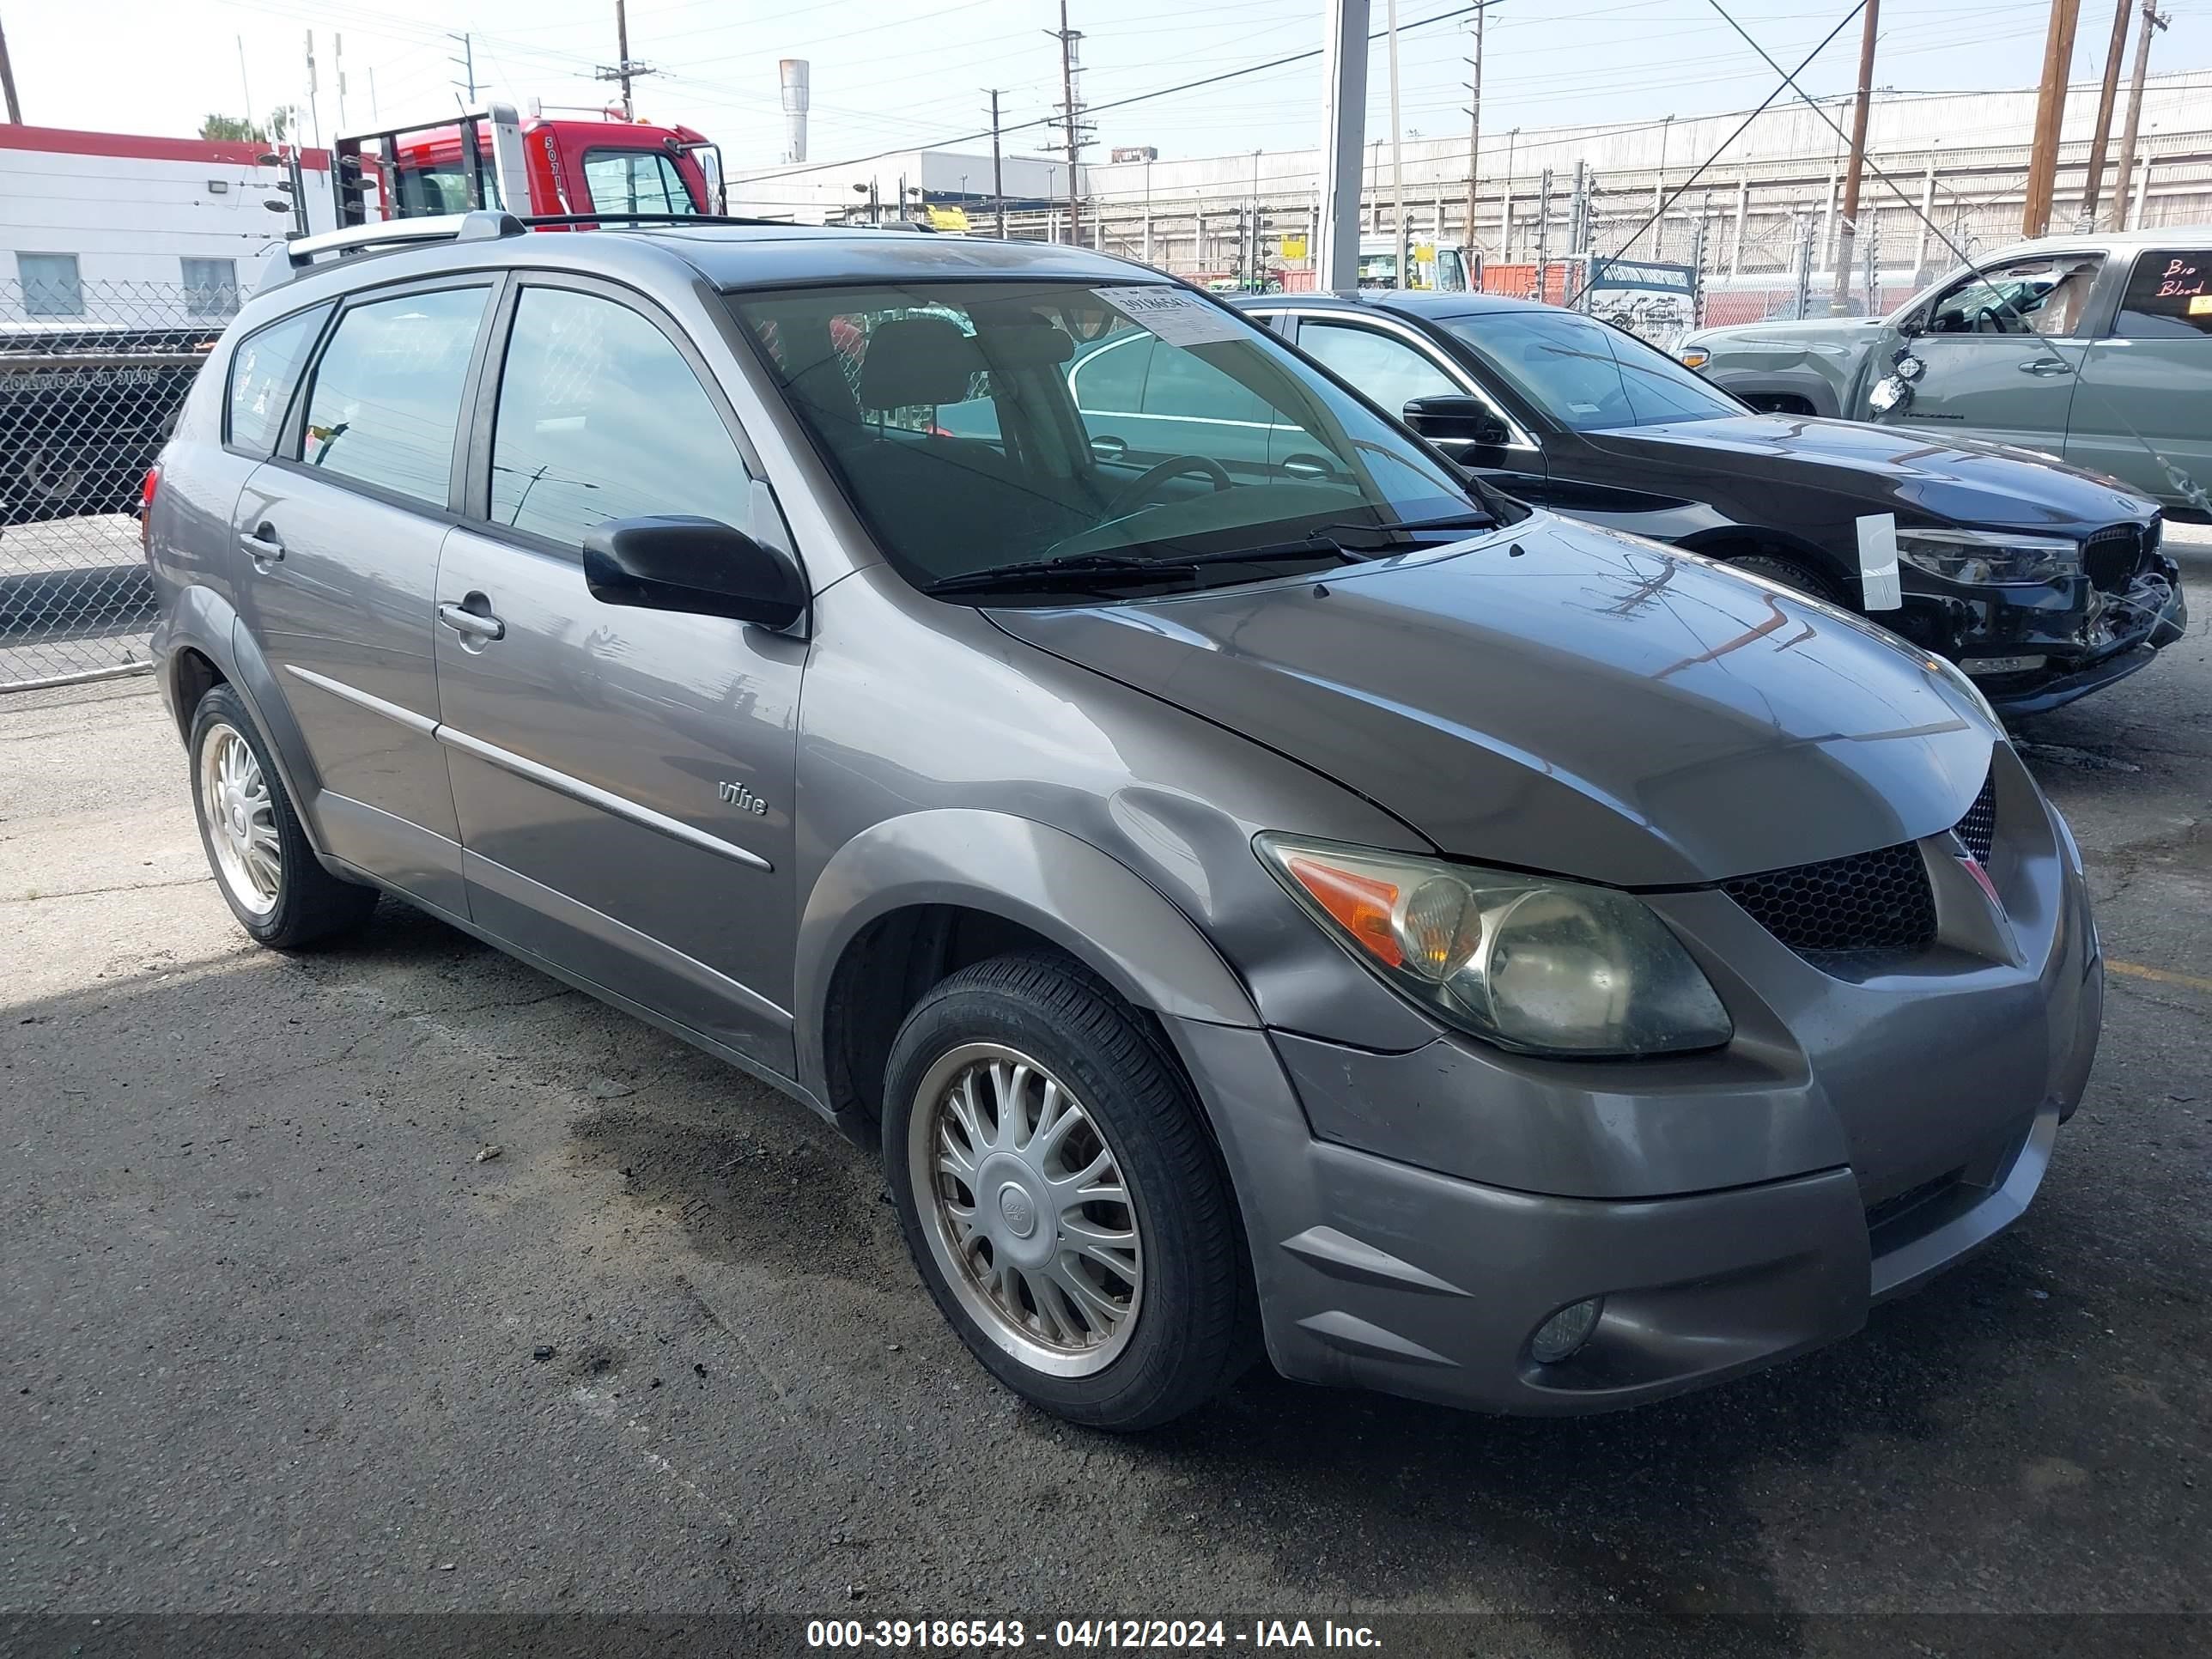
(2034, 648)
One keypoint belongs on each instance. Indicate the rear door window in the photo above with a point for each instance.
(2169, 296)
(263, 372)
(385, 400)
(599, 417)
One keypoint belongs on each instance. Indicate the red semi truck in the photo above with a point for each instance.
(535, 165)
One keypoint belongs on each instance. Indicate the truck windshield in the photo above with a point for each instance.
(636, 181)
(980, 425)
(1584, 375)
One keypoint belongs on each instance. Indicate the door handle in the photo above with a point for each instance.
(471, 624)
(262, 542)
(2046, 366)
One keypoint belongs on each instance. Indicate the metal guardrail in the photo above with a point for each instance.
(92, 375)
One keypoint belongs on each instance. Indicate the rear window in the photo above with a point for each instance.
(263, 372)
(2168, 297)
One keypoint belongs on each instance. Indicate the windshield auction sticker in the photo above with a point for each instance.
(1176, 315)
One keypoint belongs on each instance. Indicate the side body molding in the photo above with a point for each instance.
(1053, 883)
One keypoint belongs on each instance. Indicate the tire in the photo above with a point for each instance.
(263, 868)
(1790, 573)
(1185, 1328)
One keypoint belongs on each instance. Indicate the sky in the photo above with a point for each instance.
(897, 75)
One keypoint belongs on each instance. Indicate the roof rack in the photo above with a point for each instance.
(481, 225)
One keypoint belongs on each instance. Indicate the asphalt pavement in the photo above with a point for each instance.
(398, 1278)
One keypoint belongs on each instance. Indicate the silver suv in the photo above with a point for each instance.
(1256, 887)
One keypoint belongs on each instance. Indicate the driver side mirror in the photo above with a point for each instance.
(1457, 417)
(698, 566)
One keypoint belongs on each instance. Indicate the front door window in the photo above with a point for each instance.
(2043, 295)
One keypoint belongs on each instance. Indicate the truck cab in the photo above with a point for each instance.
(1429, 265)
(527, 165)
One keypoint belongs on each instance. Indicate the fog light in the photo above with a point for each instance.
(1565, 1331)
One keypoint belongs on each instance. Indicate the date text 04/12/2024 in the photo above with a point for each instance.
(1161, 1635)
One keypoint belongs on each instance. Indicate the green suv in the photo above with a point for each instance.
(2094, 349)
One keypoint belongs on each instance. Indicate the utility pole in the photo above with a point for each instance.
(2050, 116)
(2093, 185)
(1252, 265)
(998, 184)
(1398, 274)
(1840, 302)
(15, 110)
(1473, 126)
(626, 69)
(2121, 185)
(1072, 118)
(1343, 115)
(337, 65)
(467, 60)
(314, 107)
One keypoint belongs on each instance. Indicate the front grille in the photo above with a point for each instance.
(2111, 557)
(1868, 902)
(1865, 906)
(1979, 828)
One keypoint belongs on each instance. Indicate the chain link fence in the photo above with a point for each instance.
(91, 377)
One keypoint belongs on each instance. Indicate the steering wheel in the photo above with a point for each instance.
(1176, 466)
(1989, 320)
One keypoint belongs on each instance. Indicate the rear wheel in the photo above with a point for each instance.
(1060, 1197)
(264, 868)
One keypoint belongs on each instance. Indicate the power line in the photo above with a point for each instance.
(1789, 83)
(1117, 103)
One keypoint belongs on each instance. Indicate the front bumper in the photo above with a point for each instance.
(2089, 639)
(1731, 1216)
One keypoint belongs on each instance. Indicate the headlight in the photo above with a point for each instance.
(1999, 557)
(1543, 966)
(1695, 356)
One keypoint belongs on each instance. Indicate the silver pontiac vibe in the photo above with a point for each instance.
(1256, 884)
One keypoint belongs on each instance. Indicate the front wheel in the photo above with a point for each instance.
(1789, 573)
(1060, 1198)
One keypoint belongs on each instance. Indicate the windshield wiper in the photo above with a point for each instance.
(1470, 520)
(1076, 568)
(1086, 569)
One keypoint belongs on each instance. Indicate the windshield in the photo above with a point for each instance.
(980, 425)
(636, 181)
(1587, 376)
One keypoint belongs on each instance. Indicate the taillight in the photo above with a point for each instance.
(146, 492)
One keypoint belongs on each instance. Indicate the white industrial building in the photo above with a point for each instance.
(113, 227)
(946, 177)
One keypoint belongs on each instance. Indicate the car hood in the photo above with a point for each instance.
(1923, 476)
(1565, 699)
(1837, 331)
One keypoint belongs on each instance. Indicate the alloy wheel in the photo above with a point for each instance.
(1026, 1209)
(242, 819)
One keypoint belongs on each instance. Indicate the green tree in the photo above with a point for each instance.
(219, 128)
